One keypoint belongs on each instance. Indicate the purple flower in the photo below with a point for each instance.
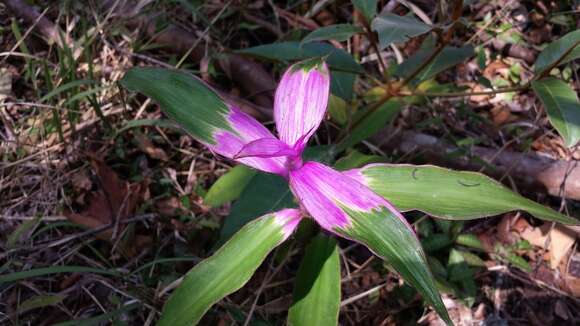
(339, 202)
(299, 107)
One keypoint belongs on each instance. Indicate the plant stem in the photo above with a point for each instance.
(375, 46)
(391, 92)
(394, 91)
(465, 94)
(557, 62)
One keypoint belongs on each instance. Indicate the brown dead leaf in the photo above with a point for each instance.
(562, 310)
(572, 277)
(115, 199)
(147, 147)
(81, 181)
(169, 207)
(496, 69)
(501, 115)
(504, 229)
(536, 236)
(520, 225)
(561, 241)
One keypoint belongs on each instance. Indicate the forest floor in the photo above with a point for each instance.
(103, 206)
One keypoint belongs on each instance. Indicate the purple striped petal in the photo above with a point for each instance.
(289, 218)
(266, 147)
(326, 193)
(244, 130)
(300, 102)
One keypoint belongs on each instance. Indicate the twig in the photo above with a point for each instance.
(267, 280)
(359, 296)
(87, 233)
(47, 28)
(557, 62)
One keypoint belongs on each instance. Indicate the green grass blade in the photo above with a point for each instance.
(65, 87)
(53, 270)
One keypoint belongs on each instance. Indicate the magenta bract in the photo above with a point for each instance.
(299, 107)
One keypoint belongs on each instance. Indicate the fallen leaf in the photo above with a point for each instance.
(561, 241)
(169, 207)
(147, 147)
(496, 69)
(501, 115)
(536, 236)
(81, 181)
(572, 277)
(115, 199)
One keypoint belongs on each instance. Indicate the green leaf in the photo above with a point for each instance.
(449, 194)
(184, 98)
(40, 301)
(229, 186)
(562, 105)
(393, 28)
(457, 266)
(567, 46)
(22, 229)
(223, 273)
(449, 57)
(317, 286)
(371, 124)
(338, 109)
(472, 259)
(149, 123)
(266, 193)
(436, 241)
(342, 84)
(393, 240)
(337, 59)
(368, 8)
(339, 32)
(342, 65)
(469, 240)
(355, 159)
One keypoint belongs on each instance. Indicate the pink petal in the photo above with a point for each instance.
(289, 218)
(300, 102)
(244, 130)
(265, 147)
(325, 193)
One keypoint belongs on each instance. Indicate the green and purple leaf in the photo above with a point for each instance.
(347, 208)
(448, 194)
(228, 269)
(186, 99)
